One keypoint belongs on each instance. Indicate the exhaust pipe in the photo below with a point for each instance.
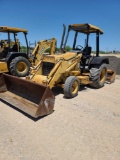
(63, 35)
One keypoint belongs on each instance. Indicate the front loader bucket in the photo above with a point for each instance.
(110, 76)
(32, 98)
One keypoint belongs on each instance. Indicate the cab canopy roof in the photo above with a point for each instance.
(85, 28)
(11, 29)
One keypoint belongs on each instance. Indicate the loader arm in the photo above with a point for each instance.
(60, 65)
(41, 47)
(61, 71)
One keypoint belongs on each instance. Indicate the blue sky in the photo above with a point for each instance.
(44, 19)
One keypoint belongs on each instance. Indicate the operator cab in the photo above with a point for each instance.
(85, 49)
(6, 44)
(5, 48)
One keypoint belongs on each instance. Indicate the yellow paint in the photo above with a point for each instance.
(3, 67)
(39, 50)
(11, 29)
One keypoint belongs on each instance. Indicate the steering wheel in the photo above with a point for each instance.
(79, 47)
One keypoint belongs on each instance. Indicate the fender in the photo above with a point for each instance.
(12, 55)
(99, 60)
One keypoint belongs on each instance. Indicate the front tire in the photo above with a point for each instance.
(71, 87)
(20, 66)
(98, 76)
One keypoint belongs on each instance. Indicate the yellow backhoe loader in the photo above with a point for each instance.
(13, 60)
(68, 70)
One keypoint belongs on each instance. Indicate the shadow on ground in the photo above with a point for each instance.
(58, 90)
(25, 114)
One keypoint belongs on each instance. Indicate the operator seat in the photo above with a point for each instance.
(87, 51)
(86, 57)
(15, 48)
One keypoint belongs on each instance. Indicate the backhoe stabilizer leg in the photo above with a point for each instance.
(110, 76)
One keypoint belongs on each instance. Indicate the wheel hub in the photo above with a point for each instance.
(21, 66)
(74, 87)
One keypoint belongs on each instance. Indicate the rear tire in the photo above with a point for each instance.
(98, 76)
(71, 87)
(20, 66)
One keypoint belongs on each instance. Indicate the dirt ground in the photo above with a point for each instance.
(86, 127)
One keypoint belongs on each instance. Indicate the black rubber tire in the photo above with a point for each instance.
(24, 68)
(68, 93)
(98, 75)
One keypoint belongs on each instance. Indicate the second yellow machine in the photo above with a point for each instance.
(13, 59)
